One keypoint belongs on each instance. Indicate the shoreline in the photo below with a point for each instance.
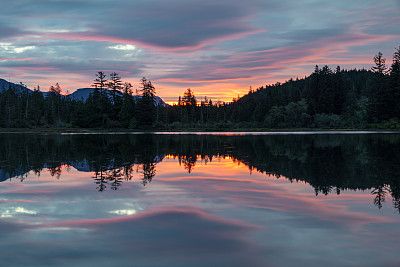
(255, 131)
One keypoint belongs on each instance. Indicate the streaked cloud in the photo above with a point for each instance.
(15, 211)
(123, 47)
(9, 48)
(215, 47)
(124, 212)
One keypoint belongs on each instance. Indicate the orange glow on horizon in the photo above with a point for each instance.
(224, 90)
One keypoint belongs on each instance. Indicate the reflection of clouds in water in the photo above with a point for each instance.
(141, 225)
(119, 159)
(294, 222)
(168, 237)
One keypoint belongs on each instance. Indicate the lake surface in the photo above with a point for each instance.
(200, 200)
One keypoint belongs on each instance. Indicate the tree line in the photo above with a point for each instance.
(325, 99)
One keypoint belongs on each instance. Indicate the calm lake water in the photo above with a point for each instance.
(200, 200)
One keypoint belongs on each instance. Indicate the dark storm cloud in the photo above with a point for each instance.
(170, 24)
(179, 23)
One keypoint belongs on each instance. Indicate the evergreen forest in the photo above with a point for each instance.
(327, 99)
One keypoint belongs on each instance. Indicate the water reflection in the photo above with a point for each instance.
(328, 163)
(169, 200)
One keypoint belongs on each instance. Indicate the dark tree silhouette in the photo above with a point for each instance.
(188, 98)
(115, 85)
(100, 82)
(380, 66)
(146, 109)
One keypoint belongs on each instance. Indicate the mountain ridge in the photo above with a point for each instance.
(80, 94)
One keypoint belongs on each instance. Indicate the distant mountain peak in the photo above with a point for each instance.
(80, 94)
(4, 85)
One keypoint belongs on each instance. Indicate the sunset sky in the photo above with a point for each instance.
(217, 48)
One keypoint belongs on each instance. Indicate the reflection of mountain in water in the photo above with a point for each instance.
(4, 175)
(329, 163)
(82, 166)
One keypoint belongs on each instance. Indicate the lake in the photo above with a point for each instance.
(282, 199)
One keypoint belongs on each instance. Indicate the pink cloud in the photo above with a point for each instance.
(17, 200)
(18, 59)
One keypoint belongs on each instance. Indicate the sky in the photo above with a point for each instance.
(218, 48)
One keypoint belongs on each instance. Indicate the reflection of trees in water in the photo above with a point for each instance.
(55, 171)
(22, 177)
(188, 161)
(149, 171)
(380, 194)
(329, 163)
(103, 177)
(115, 177)
(100, 181)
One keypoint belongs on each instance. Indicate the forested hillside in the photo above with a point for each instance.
(326, 99)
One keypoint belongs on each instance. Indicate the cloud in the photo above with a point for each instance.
(9, 48)
(177, 24)
(16, 210)
(256, 64)
(123, 47)
(172, 24)
(7, 31)
(124, 212)
(216, 47)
